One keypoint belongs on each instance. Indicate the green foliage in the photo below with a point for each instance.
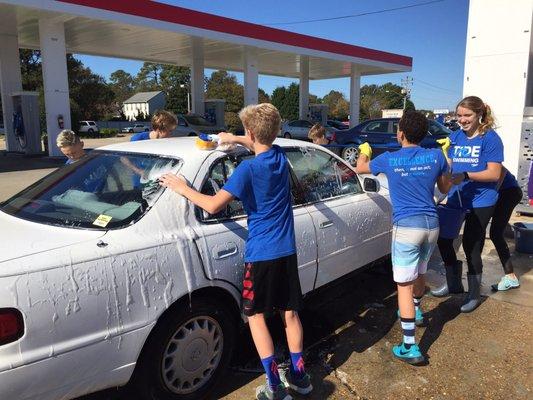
(338, 106)
(262, 96)
(233, 122)
(223, 85)
(286, 101)
(122, 84)
(375, 98)
(108, 132)
(90, 96)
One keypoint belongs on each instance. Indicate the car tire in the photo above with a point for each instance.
(350, 153)
(90, 130)
(187, 352)
(130, 131)
(287, 135)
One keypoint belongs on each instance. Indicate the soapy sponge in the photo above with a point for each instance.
(206, 144)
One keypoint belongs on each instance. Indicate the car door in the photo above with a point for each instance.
(353, 227)
(223, 235)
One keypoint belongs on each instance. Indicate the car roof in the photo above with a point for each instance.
(185, 148)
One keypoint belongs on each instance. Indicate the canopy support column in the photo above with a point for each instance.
(251, 77)
(197, 76)
(304, 88)
(355, 94)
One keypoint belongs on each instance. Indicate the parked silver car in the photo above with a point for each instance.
(192, 125)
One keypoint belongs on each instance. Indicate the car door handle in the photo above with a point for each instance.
(226, 252)
(325, 224)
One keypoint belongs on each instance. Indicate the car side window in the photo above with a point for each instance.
(395, 127)
(322, 176)
(377, 127)
(181, 121)
(435, 129)
(220, 172)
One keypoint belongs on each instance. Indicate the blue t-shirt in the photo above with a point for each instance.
(509, 181)
(262, 184)
(136, 179)
(412, 173)
(472, 155)
(140, 136)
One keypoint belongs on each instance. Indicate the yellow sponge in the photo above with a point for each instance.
(205, 145)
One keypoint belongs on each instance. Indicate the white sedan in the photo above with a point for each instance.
(107, 278)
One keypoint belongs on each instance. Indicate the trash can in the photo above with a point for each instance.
(523, 237)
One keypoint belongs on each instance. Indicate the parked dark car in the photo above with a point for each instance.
(452, 125)
(381, 135)
(337, 124)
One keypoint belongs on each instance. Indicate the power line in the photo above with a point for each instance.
(436, 87)
(356, 15)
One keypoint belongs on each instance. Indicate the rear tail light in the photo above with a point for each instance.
(11, 325)
(333, 137)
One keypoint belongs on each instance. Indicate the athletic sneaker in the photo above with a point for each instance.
(300, 386)
(412, 356)
(506, 283)
(419, 317)
(264, 392)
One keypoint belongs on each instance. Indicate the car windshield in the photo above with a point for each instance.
(197, 120)
(103, 190)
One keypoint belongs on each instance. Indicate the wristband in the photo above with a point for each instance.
(465, 176)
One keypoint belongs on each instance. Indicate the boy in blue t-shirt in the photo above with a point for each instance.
(412, 173)
(271, 281)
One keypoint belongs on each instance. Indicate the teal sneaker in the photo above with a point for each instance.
(264, 392)
(419, 317)
(412, 356)
(506, 283)
(301, 386)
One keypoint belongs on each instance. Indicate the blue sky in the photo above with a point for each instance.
(433, 34)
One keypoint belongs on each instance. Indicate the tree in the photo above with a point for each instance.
(122, 84)
(222, 85)
(95, 99)
(286, 101)
(375, 98)
(172, 77)
(338, 106)
(149, 77)
(90, 96)
(262, 96)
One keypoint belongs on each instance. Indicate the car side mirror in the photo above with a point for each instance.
(371, 185)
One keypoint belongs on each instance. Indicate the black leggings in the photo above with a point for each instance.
(507, 201)
(476, 222)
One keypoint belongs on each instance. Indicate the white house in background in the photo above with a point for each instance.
(145, 102)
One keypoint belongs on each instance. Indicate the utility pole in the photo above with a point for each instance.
(406, 89)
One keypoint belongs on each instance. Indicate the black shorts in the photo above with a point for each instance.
(271, 285)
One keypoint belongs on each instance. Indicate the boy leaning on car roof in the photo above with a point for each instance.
(271, 281)
(412, 173)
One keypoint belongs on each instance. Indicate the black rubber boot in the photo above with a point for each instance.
(473, 298)
(454, 282)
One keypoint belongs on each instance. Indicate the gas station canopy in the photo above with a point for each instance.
(151, 31)
(161, 33)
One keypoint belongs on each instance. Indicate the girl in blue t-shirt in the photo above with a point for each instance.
(476, 156)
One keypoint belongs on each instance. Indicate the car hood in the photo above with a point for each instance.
(21, 238)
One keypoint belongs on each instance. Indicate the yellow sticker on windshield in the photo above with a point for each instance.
(102, 220)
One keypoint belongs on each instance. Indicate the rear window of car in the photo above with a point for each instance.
(196, 120)
(377, 127)
(92, 123)
(103, 190)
